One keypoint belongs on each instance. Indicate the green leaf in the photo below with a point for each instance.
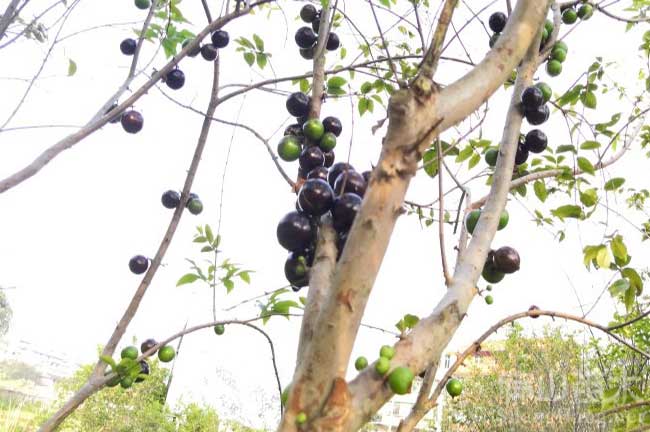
(586, 166)
(363, 105)
(540, 190)
(589, 145)
(207, 249)
(245, 276)
(589, 197)
(229, 284)
(619, 287)
(72, 67)
(568, 211)
(465, 154)
(430, 161)
(614, 183)
(336, 82)
(187, 279)
(565, 148)
(619, 250)
(589, 100)
(411, 320)
(283, 307)
(249, 57)
(603, 259)
(261, 59)
(474, 160)
(208, 233)
(634, 278)
(200, 239)
(628, 299)
(259, 43)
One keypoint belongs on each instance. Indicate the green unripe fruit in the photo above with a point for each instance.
(503, 220)
(548, 25)
(327, 142)
(585, 12)
(492, 275)
(561, 45)
(471, 220)
(361, 363)
(400, 380)
(313, 129)
(546, 90)
(454, 387)
(195, 206)
(382, 365)
(558, 54)
(126, 382)
(387, 351)
(129, 352)
(301, 418)
(219, 329)
(114, 381)
(488, 288)
(545, 35)
(489, 300)
(289, 148)
(553, 68)
(569, 16)
(166, 354)
(491, 157)
(142, 4)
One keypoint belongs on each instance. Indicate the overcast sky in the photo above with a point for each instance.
(67, 233)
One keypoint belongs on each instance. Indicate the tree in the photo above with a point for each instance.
(5, 313)
(525, 379)
(429, 120)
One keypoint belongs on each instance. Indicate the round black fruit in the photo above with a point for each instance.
(128, 46)
(522, 154)
(345, 210)
(329, 158)
(294, 130)
(536, 141)
(506, 260)
(295, 231)
(497, 22)
(532, 98)
(303, 119)
(308, 13)
(209, 52)
(171, 199)
(318, 173)
(310, 158)
(337, 169)
(350, 181)
(305, 37)
(366, 176)
(298, 104)
(144, 370)
(175, 79)
(220, 38)
(538, 116)
(296, 270)
(138, 264)
(316, 197)
(315, 24)
(333, 42)
(147, 345)
(132, 121)
(193, 53)
(307, 53)
(332, 124)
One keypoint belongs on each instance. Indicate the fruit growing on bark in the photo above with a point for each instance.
(296, 270)
(491, 157)
(308, 13)
(209, 52)
(318, 173)
(361, 363)
(298, 104)
(546, 90)
(289, 148)
(382, 366)
(219, 329)
(504, 218)
(400, 380)
(142, 4)
(489, 299)
(345, 210)
(350, 181)
(387, 351)
(532, 310)
(471, 220)
(220, 38)
(147, 345)
(493, 39)
(506, 260)
(305, 37)
(132, 121)
(553, 68)
(585, 11)
(454, 387)
(295, 232)
(310, 158)
(337, 169)
(490, 272)
(175, 79)
(538, 116)
(166, 353)
(171, 199)
(327, 142)
(329, 158)
(569, 16)
(301, 418)
(497, 22)
(126, 382)
(138, 264)
(522, 154)
(144, 370)
(532, 98)
(307, 53)
(129, 352)
(536, 141)
(316, 197)
(313, 129)
(333, 42)
(128, 46)
(195, 206)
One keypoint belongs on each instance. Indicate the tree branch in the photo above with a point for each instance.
(441, 212)
(431, 58)
(8, 16)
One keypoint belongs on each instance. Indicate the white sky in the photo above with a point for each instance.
(67, 234)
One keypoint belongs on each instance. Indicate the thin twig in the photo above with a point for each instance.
(441, 212)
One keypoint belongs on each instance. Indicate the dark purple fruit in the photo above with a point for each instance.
(147, 345)
(138, 264)
(497, 22)
(308, 13)
(171, 199)
(310, 158)
(144, 370)
(132, 121)
(175, 79)
(315, 24)
(329, 158)
(538, 116)
(332, 124)
(366, 176)
(298, 104)
(115, 118)
(522, 155)
(296, 270)
(127, 46)
(305, 37)
(533, 309)
(345, 210)
(506, 260)
(220, 38)
(333, 42)
(316, 197)
(209, 52)
(350, 181)
(294, 130)
(337, 169)
(193, 53)
(307, 53)
(318, 173)
(532, 98)
(295, 232)
(493, 39)
(536, 141)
